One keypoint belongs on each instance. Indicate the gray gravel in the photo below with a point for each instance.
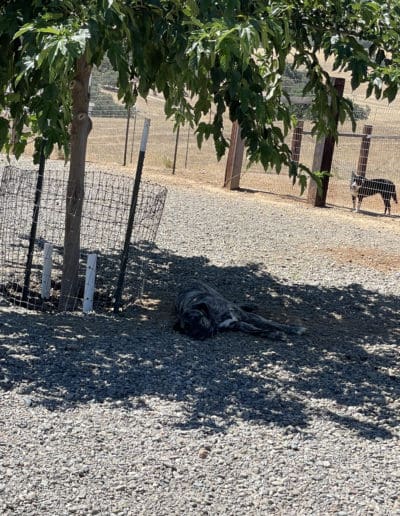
(106, 415)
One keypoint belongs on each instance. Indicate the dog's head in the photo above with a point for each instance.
(356, 183)
(196, 323)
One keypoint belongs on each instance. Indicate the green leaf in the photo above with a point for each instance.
(390, 92)
(4, 131)
(303, 183)
(26, 28)
(52, 16)
(48, 30)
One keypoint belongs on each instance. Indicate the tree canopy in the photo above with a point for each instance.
(199, 53)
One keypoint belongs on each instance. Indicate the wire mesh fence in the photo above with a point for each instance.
(376, 160)
(106, 209)
(372, 155)
(116, 140)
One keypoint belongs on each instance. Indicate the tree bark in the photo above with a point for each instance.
(80, 128)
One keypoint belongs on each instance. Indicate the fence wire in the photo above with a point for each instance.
(105, 214)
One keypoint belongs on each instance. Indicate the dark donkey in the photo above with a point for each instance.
(362, 187)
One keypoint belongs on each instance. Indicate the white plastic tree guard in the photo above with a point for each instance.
(90, 279)
(47, 266)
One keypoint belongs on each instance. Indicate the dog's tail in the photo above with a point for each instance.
(394, 196)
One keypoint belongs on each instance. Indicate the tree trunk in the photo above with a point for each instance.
(80, 128)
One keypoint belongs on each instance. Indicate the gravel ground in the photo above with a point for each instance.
(120, 415)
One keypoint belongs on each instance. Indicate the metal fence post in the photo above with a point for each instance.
(176, 149)
(131, 218)
(128, 119)
(35, 219)
(187, 147)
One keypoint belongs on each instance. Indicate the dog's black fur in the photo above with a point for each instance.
(202, 312)
(362, 187)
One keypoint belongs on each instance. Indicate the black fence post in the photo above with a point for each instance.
(176, 149)
(187, 147)
(35, 218)
(128, 119)
(133, 134)
(131, 218)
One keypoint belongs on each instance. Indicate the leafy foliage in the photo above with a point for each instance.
(231, 53)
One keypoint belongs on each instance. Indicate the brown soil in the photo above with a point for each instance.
(367, 257)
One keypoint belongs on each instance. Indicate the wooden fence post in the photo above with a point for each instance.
(296, 141)
(235, 159)
(364, 150)
(323, 156)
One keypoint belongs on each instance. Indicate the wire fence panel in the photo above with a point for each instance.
(111, 142)
(380, 163)
(104, 219)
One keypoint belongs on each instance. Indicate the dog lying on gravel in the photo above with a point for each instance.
(362, 187)
(202, 312)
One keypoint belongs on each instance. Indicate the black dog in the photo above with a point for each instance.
(362, 187)
(202, 312)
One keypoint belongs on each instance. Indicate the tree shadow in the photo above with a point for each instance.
(345, 362)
